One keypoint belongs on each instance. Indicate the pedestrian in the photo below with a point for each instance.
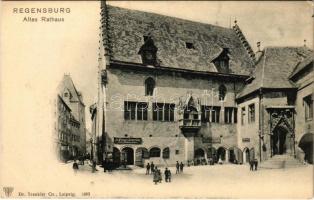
(159, 176)
(169, 175)
(251, 165)
(147, 168)
(166, 174)
(181, 167)
(75, 166)
(177, 167)
(152, 167)
(255, 164)
(105, 164)
(94, 167)
(156, 176)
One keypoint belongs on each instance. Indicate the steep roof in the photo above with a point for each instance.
(128, 27)
(301, 65)
(67, 83)
(274, 68)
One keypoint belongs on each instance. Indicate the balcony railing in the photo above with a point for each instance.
(192, 123)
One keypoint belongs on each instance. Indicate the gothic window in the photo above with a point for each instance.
(154, 152)
(308, 104)
(242, 115)
(148, 52)
(251, 114)
(222, 92)
(149, 86)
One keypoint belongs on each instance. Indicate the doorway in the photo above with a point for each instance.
(127, 156)
(279, 141)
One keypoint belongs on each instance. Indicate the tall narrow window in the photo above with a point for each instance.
(235, 115)
(149, 86)
(215, 114)
(141, 111)
(228, 115)
(242, 115)
(308, 105)
(163, 112)
(222, 92)
(251, 114)
(135, 110)
(205, 114)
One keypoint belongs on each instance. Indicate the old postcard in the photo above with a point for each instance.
(156, 99)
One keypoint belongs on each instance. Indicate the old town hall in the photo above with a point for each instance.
(177, 90)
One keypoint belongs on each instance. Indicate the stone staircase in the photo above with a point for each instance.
(281, 162)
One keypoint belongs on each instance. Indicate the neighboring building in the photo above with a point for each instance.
(72, 100)
(177, 90)
(62, 129)
(273, 103)
(302, 76)
(67, 135)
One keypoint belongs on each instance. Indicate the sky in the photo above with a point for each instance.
(41, 53)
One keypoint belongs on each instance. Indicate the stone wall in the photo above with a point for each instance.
(127, 85)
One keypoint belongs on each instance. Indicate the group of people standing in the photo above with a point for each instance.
(179, 167)
(253, 164)
(157, 176)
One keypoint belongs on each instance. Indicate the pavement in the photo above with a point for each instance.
(218, 181)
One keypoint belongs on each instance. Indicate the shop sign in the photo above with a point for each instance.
(127, 140)
(211, 140)
(245, 139)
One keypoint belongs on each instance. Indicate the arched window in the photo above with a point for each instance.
(149, 86)
(222, 92)
(154, 152)
(166, 153)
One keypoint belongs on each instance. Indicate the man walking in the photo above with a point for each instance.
(177, 167)
(181, 167)
(251, 165)
(147, 168)
(255, 164)
(166, 174)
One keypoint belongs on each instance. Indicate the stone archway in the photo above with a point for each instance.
(306, 144)
(246, 155)
(116, 157)
(221, 153)
(141, 154)
(127, 156)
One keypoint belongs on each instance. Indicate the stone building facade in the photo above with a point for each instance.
(71, 100)
(67, 137)
(174, 90)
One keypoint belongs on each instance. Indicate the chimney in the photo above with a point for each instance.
(259, 53)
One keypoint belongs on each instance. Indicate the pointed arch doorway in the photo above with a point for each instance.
(281, 141)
